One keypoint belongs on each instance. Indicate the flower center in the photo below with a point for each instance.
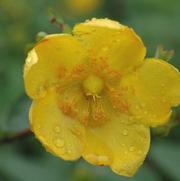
(89, 98)
(93, 85)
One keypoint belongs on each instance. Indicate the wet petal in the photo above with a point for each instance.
(117, 143)
(152, 91)
(49, 61)
(59, 134)
(110, 42)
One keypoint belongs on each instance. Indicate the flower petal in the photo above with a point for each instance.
(151, 91)
(49, 61)
(120, 144)
(112, 43)
(59, 134)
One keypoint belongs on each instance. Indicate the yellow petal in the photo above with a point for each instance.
(117, 143)
(152, 91)
(110, 42)
(49, 61)
(59, 134)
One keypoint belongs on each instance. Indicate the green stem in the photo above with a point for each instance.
(20, 135)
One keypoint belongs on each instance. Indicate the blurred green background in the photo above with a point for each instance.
(156, 21)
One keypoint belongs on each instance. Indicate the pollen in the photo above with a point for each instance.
(68, 108)
(98, 115)
(77, 73)
(117, 99)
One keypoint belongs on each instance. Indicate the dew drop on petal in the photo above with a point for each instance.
(63, 150)
(143, 105)
(137, 107)
(105, 49)
(59, 143)
(131, 148)
(41, 92)
(125, 132)
(130, 118)
(57, 129)
(145, 112)
(139, 152)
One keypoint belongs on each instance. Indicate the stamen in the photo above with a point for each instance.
(77, 73)
(117, 100)
(87, 106)
(68, 108)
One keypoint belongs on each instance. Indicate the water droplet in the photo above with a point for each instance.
(131, 148)
(143, 105)
(130, 118)
(41, 91)
(139, 152)
(59, 143)
(163, 85)
(145, 112)
(125, 132)
(123, 144)
(105, 49)
(62, 150)
(57, 129)
(126, 152)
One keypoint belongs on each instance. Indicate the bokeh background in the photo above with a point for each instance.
(156, 21)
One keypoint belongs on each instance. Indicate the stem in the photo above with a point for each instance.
(20, 135)
(60, 25)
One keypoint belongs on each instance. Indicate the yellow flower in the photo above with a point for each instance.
(94, 95)
(82, 7)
